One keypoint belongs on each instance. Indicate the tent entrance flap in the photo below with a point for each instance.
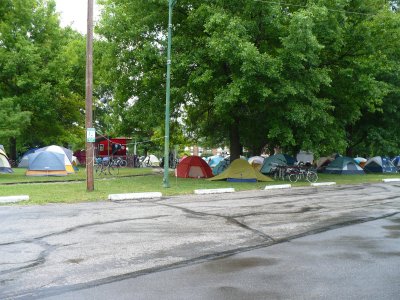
(196, 171)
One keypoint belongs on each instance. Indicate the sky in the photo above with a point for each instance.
(74, 13)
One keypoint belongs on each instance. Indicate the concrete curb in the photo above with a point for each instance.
(278, 186)
(322, 183)
(391, 180)
(134, 196)
(13, 199)
(214, 191)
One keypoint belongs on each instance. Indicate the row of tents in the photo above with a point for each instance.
(348, 165)
(59, 161)
(331, 165)
(237, 171)
(334, 165)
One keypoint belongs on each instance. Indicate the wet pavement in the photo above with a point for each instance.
(354, 262)
(56, 249)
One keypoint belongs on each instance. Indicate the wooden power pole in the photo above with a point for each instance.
(89, 100)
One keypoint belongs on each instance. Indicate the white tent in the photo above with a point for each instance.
(259, 160)
(4, 164)
(154, 160)
(304, 156)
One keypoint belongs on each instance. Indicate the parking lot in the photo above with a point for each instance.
(53, 249)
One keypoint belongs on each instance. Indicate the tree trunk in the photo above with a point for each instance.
(234, 138)
(349, 151)
(13, 149)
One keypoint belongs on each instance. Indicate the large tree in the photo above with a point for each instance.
(37, 71)
(252, 73)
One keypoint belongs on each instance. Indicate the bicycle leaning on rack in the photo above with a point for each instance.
(278, 171)
(172, 162)
(119, 162)
(106, 166)
(301, 172)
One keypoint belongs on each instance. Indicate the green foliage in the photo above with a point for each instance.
(13, 120)
(42, 71)
(319, 75)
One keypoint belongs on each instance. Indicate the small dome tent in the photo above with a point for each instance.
(46, 163)
(360, 161)
(305, 157)
(213, 161)
(323, 162)
(193, 167)
(379, 164)
(5, 166)
(396, 162)
(61, 150)
(221, 166)
(24, 162)
(241, 171)
(256, 162)
(154, 160)
(55, 148)
(344, 165)
(274, 160)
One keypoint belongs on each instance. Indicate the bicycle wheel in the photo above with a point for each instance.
(293, 177)
(115, 170)
(312, 176)
(110, 169)
(98, 169)
(123, 163)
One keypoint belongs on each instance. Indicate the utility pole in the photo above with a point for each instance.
(89, 100)
(171, 4)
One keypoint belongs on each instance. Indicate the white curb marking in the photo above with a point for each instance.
(133, 196)
(391, 180)
(214, 191)
(322, 183)
(12, 199)
(278, 186)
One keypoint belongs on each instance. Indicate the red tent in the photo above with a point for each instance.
(193, 167)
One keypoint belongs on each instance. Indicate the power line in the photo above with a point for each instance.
(306, 6)
(148, 141)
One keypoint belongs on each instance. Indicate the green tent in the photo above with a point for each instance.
(241, 171)
(276, 160)
(344, 165)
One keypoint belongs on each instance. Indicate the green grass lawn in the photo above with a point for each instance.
(72, 189)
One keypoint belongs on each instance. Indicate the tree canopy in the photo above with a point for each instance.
(40, 67)
(318, 75)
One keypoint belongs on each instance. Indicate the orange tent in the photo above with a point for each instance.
(193, 167)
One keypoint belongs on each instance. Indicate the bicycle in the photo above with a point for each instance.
(119, 162)
(278, 171)
(172, 163)
(300, 173)
(145, 162)
(105, 167)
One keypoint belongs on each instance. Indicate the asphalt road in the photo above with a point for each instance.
(354, 262)
(75, 250)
